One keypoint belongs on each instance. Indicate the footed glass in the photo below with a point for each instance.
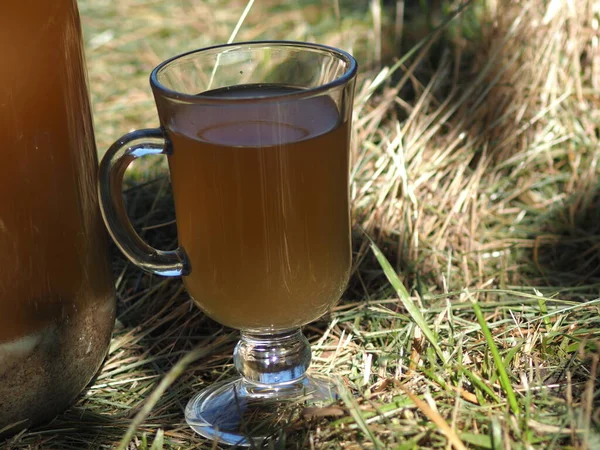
(257, 139)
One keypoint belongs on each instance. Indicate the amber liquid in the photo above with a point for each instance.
(53, 258)
(261, 197)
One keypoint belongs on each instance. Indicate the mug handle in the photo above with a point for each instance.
(123, 152)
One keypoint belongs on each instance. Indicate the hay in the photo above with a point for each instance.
(475, 167)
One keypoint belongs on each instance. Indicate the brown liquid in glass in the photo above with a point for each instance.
(261, 196)
(52, 244)
(56, 290)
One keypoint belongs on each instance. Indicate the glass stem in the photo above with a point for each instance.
(271, 359)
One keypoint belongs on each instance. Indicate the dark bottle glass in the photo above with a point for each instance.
(57, 302)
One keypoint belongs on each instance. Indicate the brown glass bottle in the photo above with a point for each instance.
(56, 290)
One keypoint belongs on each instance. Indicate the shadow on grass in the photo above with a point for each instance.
(77, 428)
(566, 251)
(564, 260)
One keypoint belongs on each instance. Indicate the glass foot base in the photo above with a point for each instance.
(236, 412)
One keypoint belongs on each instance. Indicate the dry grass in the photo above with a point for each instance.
(475, 170)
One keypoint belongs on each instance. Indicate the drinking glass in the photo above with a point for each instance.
(257, 140)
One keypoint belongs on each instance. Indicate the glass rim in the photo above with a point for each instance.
(343, 79)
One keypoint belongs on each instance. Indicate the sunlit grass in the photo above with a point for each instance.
(475, 172)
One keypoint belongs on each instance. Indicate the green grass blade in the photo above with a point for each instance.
(481, 386)
(407, 302)
(503, 375)
(479, 440)
(158, 443)
(356, 414)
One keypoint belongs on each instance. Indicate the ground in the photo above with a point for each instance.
(472, 319)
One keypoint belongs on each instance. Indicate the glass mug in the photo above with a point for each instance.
(257, 139)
